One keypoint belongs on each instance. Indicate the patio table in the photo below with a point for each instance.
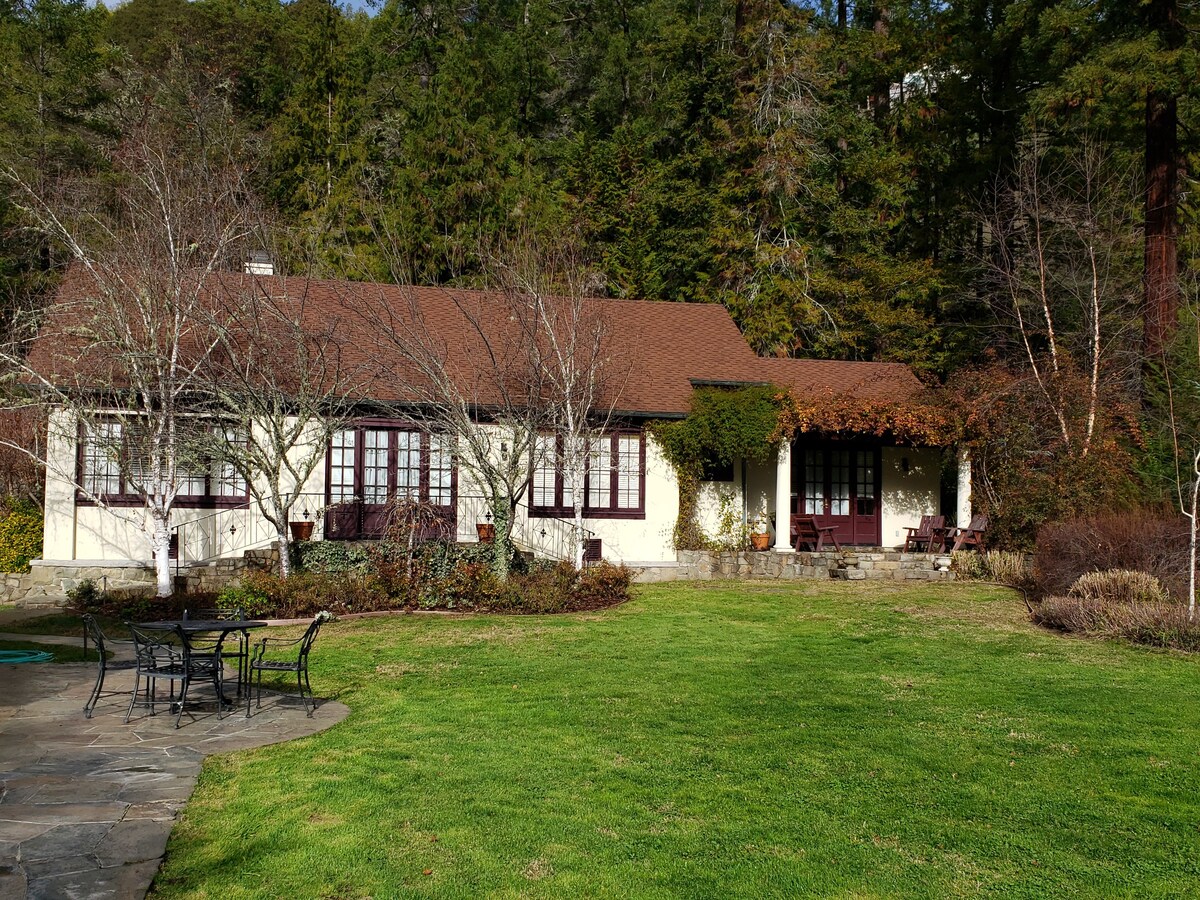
(224, 627)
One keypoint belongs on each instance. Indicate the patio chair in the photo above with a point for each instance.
(972, 535)
(297, 664)
(104, 646)
(160, 659)
(202, 643)
(930, 532)
(805, 530)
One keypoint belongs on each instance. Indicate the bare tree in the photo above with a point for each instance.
(1059, 269)
(121, 351)
(548, 291)
(1180, 362)
(470, 376)
(281, 386)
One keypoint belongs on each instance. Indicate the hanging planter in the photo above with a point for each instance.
(486, 532)
(301, 531)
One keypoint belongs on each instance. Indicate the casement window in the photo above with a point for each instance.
(614, 484)
(374, 464)
(113, 465)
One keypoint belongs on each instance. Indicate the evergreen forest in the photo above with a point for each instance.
(998, 193)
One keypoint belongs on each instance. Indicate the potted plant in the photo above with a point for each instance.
(486, 532)
(760, 535)
(302, 530)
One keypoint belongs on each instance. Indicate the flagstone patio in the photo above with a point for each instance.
(86, 805)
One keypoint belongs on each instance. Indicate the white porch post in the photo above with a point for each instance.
(783, 498)
(963, 512)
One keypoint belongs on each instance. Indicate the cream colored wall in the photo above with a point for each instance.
(84, 532)
(909, 495)
(623, 540)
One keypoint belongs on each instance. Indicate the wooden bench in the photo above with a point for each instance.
(805, 530)
(930, 533)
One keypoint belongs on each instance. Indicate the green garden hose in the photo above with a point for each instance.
(8, 657)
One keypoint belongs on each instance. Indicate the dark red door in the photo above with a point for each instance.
(839, 484)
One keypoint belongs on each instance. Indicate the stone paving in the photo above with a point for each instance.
(86, 805)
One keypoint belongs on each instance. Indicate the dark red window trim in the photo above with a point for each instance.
(358, 426)
(206, 500)
(559, 510)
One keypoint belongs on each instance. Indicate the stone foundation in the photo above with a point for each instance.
(852, 564)
(47, 582)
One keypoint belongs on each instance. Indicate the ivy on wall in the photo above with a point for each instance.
(728, 424)
(723, 426)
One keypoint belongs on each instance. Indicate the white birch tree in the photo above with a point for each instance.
(130, 333)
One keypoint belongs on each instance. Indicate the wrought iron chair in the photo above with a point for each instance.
(160, 659)
(204, 643)
(104, 645)
(298, 664)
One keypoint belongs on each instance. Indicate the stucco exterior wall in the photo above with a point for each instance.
(909, 493)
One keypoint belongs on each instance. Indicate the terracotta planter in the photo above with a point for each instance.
(760, 541)
(301, 531)
(486, 532)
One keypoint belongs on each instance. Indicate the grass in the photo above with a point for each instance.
(718, 741)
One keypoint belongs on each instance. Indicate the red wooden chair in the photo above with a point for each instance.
(931, 530)
(972, 535)
(805, 530)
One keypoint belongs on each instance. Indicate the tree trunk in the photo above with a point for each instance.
(285, 547)
(1161, 296)
(1160, 280)
(1193, 537)
(502, 547)
(164, 585)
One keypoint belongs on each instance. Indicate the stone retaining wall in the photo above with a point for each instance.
(851, 564)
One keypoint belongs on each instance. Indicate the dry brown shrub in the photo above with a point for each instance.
(1145, 540)
(1154, 624)
(1119, 586)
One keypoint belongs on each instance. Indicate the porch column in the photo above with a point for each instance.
(783, 498)
(963, 512)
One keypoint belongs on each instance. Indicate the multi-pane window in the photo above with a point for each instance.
(614, 479)
(114, 463)
(371, 465)
(814, 483)
(839, 483)
(341, 465)
(864, 494)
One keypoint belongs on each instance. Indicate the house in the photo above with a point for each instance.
(870, 488)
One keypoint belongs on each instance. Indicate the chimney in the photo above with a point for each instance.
(259, 263)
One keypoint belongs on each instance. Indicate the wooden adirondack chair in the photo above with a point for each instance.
(972, 535)
(930, 532)
(805, 530)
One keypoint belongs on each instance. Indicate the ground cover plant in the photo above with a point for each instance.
(718, 740)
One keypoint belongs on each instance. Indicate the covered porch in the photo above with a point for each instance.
(869, 490)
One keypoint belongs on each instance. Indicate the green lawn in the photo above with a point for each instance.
(719, 741)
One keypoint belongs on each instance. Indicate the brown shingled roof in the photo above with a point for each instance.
(661, 349)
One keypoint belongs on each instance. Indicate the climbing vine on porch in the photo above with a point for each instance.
(728, 424)
(723, 426)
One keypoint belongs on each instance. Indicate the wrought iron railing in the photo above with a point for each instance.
(227, 532)
(232, 531)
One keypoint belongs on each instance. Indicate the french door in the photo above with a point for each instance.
(840, 485)
(373, 469)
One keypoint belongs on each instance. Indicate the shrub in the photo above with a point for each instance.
(305, 594)
(332, 557)
(1153, 623)
(603, 585)
(1004, 566)
(131, 604)
(1119, 586)
(1155, 542)
(21, 529)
